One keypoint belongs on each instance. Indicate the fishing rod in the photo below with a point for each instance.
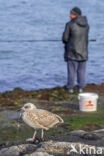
(48, 40)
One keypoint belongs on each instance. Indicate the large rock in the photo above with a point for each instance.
(76, 143)
(78, 132)
(38, 154)
(52, 148)
(17, 150)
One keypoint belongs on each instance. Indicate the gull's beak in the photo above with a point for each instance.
(18, 110)
(21, 109)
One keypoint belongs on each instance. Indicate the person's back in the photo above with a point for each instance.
(75, 38)
(78, 38)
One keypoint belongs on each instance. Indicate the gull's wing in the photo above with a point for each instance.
(39, 118)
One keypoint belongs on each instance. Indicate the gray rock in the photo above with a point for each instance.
(38, 154)
(17, 150)
(78, 132)
(49, 148)
(99, 131)
(68, 148)
(90, 136)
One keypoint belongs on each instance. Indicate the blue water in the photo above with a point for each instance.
(35, 65)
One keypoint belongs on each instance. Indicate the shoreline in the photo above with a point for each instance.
(97, 84)
(49, 94)
(42, 89)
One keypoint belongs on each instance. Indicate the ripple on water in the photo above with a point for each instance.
(39, 59)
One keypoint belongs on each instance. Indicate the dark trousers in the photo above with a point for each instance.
(79, 68)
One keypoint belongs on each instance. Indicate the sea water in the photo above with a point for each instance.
(28, 59)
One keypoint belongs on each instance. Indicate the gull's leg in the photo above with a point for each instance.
(33, 138)
(34, 135)
(42, 134)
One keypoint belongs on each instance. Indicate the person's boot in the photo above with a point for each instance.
(71, 91)
(80, 90)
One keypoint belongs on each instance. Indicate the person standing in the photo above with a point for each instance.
(75, 38)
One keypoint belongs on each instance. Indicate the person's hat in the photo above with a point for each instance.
(76, 11)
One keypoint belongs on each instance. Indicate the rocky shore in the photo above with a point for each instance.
(75, 143)
(81, 130)
(19, 96)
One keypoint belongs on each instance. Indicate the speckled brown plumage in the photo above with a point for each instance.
(39, 118)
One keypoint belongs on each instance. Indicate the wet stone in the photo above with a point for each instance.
(99, 131)
(38, 154)
(78, 132)
(17, 150)
(90, 136)
(49, 148)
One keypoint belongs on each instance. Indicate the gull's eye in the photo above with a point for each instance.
(26, 107)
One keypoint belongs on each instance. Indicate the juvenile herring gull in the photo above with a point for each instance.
(39, 119)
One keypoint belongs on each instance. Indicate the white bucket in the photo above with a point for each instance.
(88, 101)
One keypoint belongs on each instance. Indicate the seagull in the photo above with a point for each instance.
(39, 119)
